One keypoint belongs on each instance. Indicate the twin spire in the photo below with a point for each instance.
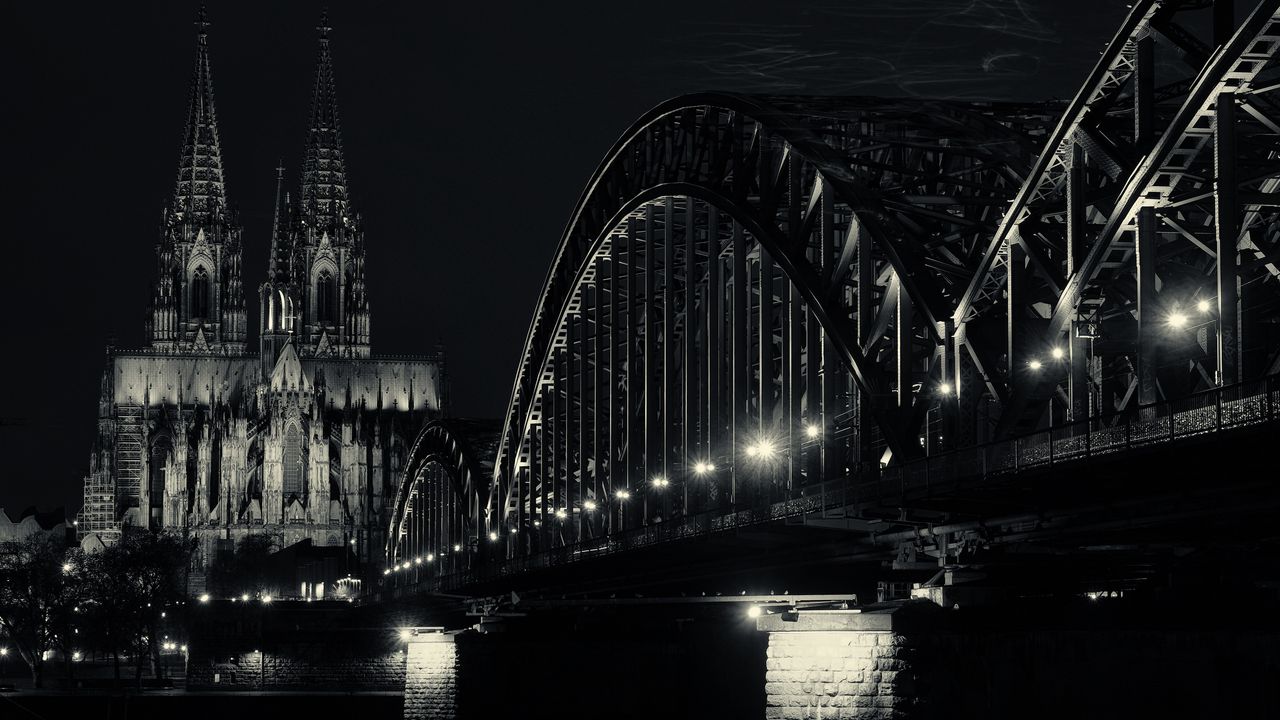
(200, 194)
(324, 173)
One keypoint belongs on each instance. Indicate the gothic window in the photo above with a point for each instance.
(200, 293)
(215, 470)
(293, 462)
(326, 298)
(160, 449)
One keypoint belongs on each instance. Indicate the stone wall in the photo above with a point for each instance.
(431, 678)
(872, 667)
(852, 674)
(309, 665)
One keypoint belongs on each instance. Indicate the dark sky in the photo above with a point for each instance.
(470, 129)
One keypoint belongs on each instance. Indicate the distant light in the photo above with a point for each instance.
(387, 571)
(266, 599)
(589, 504)
(493, 536)
(561, 514)
(622, 494)
(944, 388)
(417, 560)
(1203, 306)
(75, 656)
(660, 481)
(162, 613)
(407, 565)
(67, 567)
(245, 597)
(702, 468)
(1057, 353)
(353, 541)
(405, 635)
(457, 548)
(812, 431)
(204, 597)
(1178, 320)
(183, 648)
(431, 557)
(1035, 364)
(75, 522)
(4, 651)
(754, 611)
(752, 451)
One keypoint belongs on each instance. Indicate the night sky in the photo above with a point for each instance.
(469, 129)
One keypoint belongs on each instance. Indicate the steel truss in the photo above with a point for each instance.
(756, 295)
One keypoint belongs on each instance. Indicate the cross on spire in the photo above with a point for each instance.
(324, 26)
(202, 22)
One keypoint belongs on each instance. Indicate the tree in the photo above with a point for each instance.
(37, 597)
(131, 584)
(249, 569)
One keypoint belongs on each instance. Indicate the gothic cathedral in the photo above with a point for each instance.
(303, 439)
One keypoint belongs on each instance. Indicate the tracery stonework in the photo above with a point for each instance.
(305, 438)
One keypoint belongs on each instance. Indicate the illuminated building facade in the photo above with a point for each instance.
(304, 438)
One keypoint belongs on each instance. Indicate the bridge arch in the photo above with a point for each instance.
(438, 499)
(829, 284)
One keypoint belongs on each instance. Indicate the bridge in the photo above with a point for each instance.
(786, 334)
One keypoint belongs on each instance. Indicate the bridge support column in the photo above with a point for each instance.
(837, 664)
(431, 677)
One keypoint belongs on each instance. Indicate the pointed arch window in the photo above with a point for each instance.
(200, 293)
(293, 462)
(326, 298)
(161, 449)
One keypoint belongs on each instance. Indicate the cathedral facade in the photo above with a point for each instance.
(305, 437)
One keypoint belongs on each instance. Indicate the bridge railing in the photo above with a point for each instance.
(1211, 412)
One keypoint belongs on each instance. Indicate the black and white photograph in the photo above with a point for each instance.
(786, 360)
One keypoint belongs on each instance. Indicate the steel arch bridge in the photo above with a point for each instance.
(764, 306)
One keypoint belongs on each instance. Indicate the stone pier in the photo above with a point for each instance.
(431, 677)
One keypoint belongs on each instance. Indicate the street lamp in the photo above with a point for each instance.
(1035, 364)
(812, 431)
(622, 494)
(1203, 306)
(702, 468)
(589, 505)
(1058, 353)
(1178, 320)
(944, 388)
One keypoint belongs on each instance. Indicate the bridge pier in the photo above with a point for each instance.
(431, 677)
(836, 665)
(1107, 658)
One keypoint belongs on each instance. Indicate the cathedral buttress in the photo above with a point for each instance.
(198, 303)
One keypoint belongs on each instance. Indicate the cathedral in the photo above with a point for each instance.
(305, 437)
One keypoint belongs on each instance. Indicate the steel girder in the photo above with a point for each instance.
(889, 267)
(875, 212)
(438, 498)
(1121, 214)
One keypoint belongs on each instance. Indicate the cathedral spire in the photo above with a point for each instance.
(278, 269)
(324, 174)
(200, 193)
